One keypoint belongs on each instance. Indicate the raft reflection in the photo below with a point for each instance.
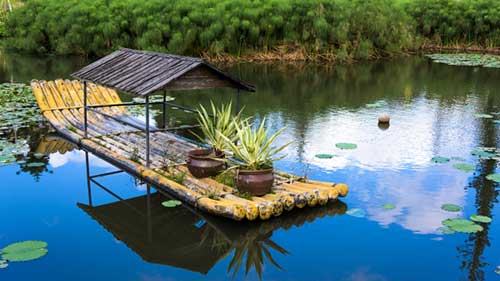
(185, 238)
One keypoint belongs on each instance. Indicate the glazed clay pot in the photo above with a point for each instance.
(201, 164)
(257, 183)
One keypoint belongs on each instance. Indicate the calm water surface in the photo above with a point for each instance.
(119, 231)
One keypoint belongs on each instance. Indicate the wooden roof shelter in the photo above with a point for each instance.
(143, 73)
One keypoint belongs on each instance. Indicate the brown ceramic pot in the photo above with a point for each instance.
(257, 183)
(201, 163)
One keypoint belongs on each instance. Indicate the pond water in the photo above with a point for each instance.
(119, 231)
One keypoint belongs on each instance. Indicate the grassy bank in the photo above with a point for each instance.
(262, 30)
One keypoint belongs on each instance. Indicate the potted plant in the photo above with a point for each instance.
(221, 122)
(253, 157)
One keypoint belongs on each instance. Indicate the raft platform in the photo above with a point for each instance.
(90, 113)
(123, 146)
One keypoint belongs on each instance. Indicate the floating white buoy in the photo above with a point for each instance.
(384, 118)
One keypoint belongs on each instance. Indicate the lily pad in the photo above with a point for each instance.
(171, 203)
(451, 208)
(440, 159)
(484, 60)
(486, 116)
(464, 167)
(345, 145)
(25, 251)
(324, 156)
(35, 164)
(497, 271)
(483, 154)
(446, 230)
(38, 155)
(356, 212)
(493, 177)
(458, 159)
(388, 207)
(478, 218)
(462, 225)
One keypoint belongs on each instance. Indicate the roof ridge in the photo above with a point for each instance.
(153, 53)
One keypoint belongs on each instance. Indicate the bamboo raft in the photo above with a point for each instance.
(123, 146)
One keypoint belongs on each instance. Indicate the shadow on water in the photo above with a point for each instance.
(183, 237)
(485, 200)
(186, 238)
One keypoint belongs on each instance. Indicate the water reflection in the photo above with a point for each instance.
(186, 238)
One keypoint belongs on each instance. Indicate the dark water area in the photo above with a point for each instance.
(118, 230)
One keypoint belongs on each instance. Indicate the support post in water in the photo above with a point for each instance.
(85, 107)
(164, 109)
(147, 131)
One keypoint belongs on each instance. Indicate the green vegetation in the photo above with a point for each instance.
(462, 225)
(254, 150)
(18, 107)
(217, 125)
(316, 29)
(178, 177)
(24, 251)
(482, 219)
(492, 61)
(345, 145)
(451, 208)
(440, 159)
(171, 203)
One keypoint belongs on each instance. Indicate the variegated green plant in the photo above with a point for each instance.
(220, 120)
(253, 149)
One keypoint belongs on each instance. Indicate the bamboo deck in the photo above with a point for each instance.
(124, 146)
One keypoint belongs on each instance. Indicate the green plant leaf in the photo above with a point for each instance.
(462, 225)
(356, 212)
(440, 159)
(497, 271)
(35, 164)
(451, 208)
(486, 116)
(478, 218)
(388, 207)
(171, 203)
(446, 230)
(493, 177)
(482, 154)
(345, 145)
(24, 251)
(38, 155)
(324, 156)
(464, 167)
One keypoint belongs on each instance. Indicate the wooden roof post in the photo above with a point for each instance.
(164, 109)
(147, 131)
(85, 106)
(89, 190)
